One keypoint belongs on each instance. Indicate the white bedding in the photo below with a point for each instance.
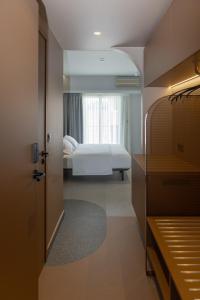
(97, 159)
(92, 160)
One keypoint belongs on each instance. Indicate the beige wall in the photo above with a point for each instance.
(55, 201)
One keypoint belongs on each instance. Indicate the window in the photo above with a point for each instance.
(101, 119)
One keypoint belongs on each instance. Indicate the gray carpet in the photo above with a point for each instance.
(81, 233)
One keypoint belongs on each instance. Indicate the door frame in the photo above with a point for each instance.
(43, 31)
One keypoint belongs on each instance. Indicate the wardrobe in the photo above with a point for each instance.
(166, 179)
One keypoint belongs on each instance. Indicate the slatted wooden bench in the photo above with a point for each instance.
(173, 250)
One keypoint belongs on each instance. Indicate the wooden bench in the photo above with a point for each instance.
(173, 251)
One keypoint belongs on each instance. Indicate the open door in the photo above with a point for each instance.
(41, 186)
(19, 130)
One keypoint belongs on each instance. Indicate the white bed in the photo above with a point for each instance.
(90, 159)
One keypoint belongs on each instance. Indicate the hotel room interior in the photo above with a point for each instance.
(100, 150)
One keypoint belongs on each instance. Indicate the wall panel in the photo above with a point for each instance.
(175, 39)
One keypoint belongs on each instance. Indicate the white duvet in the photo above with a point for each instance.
(92, 160)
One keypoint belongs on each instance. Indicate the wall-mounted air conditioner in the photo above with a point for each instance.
(127, 81)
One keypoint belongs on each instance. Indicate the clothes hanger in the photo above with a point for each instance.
(183, 93)
(188, 91)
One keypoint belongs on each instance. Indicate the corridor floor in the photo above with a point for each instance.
(116, 271)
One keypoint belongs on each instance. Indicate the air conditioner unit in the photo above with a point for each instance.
(127, 81)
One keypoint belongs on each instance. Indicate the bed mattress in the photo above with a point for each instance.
(120, 158)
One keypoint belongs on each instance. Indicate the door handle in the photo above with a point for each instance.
(45, 154)
(37, 175)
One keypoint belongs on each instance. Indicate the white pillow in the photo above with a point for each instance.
(72, 141)
(68, 148)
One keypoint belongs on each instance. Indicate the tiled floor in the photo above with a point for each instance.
(108, 192)
(116, 270)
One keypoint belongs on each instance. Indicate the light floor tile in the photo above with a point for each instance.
(116, 271)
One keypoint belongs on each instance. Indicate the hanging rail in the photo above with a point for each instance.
(183, 93)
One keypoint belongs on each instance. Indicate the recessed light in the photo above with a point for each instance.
(98, 33)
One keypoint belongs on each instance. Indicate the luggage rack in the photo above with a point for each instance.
(173, 251)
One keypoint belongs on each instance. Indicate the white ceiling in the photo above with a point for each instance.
(110, 62)
(122, 22)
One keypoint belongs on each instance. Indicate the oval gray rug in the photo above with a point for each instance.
(81, 233)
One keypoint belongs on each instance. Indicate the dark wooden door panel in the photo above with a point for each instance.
(18, 126)
(41, 186)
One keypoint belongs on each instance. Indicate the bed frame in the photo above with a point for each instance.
(122, 172)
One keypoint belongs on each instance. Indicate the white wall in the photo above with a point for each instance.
(141, 102)
(136, 54)
(95, 84)
(135, 126)
(148, 95)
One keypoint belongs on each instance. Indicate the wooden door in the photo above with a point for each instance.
(41, 186)
(18, 127)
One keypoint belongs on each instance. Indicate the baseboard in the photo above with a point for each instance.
(55, 232)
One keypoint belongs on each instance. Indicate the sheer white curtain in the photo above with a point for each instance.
(125, 133)
(102, 118)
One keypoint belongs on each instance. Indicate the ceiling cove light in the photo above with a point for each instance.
(184, 81)
(97, 33)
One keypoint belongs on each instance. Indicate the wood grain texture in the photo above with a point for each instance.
(140, 160)
(41, 186)
(173, 195)
(43, 20)
(139, 193)
(178, 241)
(170, 170)
(172, 158)
(18, 118)
(175, 39)
(179, 73)
(160, 276)
(186, 120)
